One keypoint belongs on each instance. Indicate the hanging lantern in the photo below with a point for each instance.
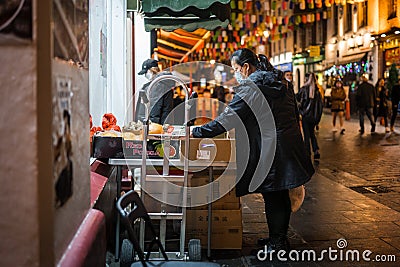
(311, 5)
(233, 16)
(291, 4)
(304, 19)
(318, 17)
(233, 4)
(274, 20)
(280, 20)
(273, 5)
(249, 5)
(308, 19)
(286, 21)
(284, 5)
(253, 19)
(324, 15)
(297, 20)
(343, 2)
(266, 6)
(258, 5)
(240, 17)
(328, 3)
(247, 20)
(303, 5)
(267, 19)
(240, 5)
(337, 2)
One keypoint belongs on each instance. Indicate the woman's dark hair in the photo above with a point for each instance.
(245, 55)
(259, 61)
(264, 64)
(377, 83)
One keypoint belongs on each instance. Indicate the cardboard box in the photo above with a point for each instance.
(226, 228)
(221, 192)
(207, 149)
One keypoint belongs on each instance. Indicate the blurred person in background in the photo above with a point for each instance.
(395, 104)
(338, 95)
(288, 76)
(381, 104)
(310, 108)
(365, 103)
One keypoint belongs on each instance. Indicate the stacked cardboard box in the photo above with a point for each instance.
(226, 219)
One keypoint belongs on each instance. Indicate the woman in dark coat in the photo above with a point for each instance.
(381, 102)
(271, 156)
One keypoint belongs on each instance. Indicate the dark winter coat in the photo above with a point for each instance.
(365, 95)
(381, 101)
(395, 94)
(310, 108)
(267, 136)
(161, 100)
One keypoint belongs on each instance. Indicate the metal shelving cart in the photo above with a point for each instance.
(165, 178)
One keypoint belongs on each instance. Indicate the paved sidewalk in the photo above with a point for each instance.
(335, 206)
(330, 212)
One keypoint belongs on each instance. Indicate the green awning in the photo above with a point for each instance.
(184, 24)
(151, 6)
(185, 14)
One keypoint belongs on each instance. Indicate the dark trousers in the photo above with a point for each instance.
(394, 113)
(383, 113)
(277, 210)
(362, 112)
(309, 135)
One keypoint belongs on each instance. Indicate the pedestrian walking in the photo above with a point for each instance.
(395, 104)
(260, 86)
(365, 97)
(381, 102)
(338, 95)
(310, 108)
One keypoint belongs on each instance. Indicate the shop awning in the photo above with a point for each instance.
(179, 44)
(185, 14)
(353, 58)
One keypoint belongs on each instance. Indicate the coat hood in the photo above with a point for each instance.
(270, 82)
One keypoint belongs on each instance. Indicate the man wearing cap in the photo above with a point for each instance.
(160, 97)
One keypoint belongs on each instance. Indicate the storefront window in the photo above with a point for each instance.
(363, 14)
(349, 17)
(392, 9)
(335, 19)
(308, 36)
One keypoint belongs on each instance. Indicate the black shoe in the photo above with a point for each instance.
(269, 246)
(373, 128)
(342, 131)
(262, 241)
(317, 155)
(361, 131)
(278, 244)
